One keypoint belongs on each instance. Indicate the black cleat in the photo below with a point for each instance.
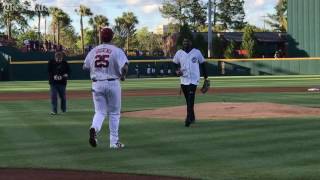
(93, 137)
(187, 122)
(193, 121)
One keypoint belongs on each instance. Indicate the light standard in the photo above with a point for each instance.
(209, 30)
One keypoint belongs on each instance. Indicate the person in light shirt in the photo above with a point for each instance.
(188, 61)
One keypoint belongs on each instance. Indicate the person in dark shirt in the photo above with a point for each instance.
(58, 71)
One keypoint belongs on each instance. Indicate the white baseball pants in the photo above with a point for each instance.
(107, 101)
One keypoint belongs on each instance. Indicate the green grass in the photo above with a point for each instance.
(151, 83)
(287, 148)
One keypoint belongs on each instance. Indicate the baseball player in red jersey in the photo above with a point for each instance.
(107, 64)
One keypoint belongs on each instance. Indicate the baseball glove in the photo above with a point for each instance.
(205, 87)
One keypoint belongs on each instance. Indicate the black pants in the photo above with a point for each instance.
(58, 89)
(189, 92)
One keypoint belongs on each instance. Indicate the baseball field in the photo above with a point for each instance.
(215, 147)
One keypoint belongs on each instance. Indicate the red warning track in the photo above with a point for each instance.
(16, 96)
(46, 174)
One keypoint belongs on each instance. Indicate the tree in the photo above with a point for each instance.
(279, 20)
(60, 19)
(218, 47)
(68, 39)
(15, 16)
(201, 44)
(172, 29)
(41, 11)
(230, 14)
(175, 9)
(29, 34)
(143, 36)
(98, 22)
(125, 26)
(83, 11)
(249, 42)
(148, 41)
(90, 38)
(229, 53)
(185, 32)
(191, 12)
(254, 28)
(197, 14)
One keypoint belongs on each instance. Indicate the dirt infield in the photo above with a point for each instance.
(146, 92)
(45, 174)
(220, 111)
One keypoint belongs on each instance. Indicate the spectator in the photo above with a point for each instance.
(153, 71)
(31, 45)
(46, 45)
(161, 71)
(60, 48)
(277, 55)
(37, 45)
(169, 71)
(49, 46)
(55, 47)
(27, 44)
(137, 71)
(148, 70)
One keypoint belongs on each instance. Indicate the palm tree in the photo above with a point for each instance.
(94, 27)
(60, 19)
(41, 11)
(279, 20)
(54, 13)
(127, 24)
(16, 16)
(83, 11)
(98, 22)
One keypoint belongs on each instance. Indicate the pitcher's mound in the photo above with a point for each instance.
(215, 111)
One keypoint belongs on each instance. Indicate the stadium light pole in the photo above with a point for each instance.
(209, 30)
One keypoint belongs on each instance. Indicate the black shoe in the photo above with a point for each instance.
(93, 137)
(193, 121)
(187, 122)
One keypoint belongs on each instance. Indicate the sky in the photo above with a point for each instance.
(147, 11)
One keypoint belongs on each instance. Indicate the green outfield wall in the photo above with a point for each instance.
(279, 67)
(30, 71)
(304, 28)
(38, 71)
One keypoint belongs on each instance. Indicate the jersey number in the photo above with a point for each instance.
(101, 61)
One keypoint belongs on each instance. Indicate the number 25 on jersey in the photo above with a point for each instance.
(101, 61)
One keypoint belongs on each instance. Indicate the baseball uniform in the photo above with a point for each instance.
(105, 63)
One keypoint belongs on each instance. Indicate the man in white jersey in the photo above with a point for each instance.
(107, 64)
(187, 61)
